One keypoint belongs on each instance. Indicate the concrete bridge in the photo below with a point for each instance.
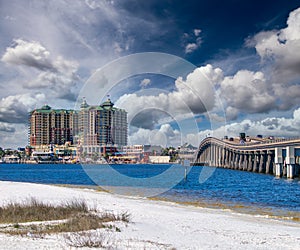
(278, 157)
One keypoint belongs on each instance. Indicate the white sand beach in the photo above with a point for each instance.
(156, 224)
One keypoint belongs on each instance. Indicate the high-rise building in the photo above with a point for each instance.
(92, 127)
(102, 125)
(52, 126)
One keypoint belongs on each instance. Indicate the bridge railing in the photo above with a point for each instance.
(251, 145)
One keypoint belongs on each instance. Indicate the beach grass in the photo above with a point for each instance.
(34, 210)
(38, 218)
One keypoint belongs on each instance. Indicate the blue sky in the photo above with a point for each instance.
(246, 56)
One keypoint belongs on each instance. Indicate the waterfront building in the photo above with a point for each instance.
(51, 126)
(159, 159)
(98, 129)
(141, 152)
(101, 129)
(11, 159)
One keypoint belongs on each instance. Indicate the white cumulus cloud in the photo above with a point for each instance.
(281, 46)
(193, 41)
(15, 108)
(248, 92)
(193, 95)
(57, 75)
(164, 136)
(31, 54)
(197, 32)
(145, 82)
(270, 126)
(190, 47)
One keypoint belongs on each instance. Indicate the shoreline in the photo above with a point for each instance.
(156, 223)
(266, 212)
(239, 208)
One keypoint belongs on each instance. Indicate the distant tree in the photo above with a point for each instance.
(164, 152)
(95, 156)
(84, 155)
(67, 152)
(17, 153)
(9, 152)
(2, 152)
(105, 156)
(170, 151)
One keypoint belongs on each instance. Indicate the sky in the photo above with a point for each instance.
(239, 65)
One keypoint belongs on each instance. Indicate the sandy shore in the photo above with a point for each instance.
(157, 224)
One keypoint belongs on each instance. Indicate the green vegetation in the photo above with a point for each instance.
(170, 151)
(2, 153)
(7, 152)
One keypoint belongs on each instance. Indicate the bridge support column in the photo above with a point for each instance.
(228, 158)
(213, 156)
(207, 155)
(262, 162)
(278, 162)
(231, 159)
(246, 161)
(223, 162)
(278, 169)
(216, 155)
(269, 167)
(250, 159)
(225, 158)
(204, 155)
(256, 162)
(290, 171)
(236, 160)
(290, 161)
(222, 159)
(219, 156)
(210, 155)
(297, 166)
(241, 161)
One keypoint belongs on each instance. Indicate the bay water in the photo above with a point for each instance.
(223, 188)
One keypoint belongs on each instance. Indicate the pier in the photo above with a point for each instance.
(278, 157)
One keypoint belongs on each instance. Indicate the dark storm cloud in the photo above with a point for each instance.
(147, 119)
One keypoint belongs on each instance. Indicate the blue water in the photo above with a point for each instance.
(224, 186)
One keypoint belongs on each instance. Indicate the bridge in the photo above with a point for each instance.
(278, 157)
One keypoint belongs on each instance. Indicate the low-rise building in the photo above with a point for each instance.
(158, 159)
(141, 153)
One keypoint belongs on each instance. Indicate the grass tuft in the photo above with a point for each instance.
(34, 210)
(88, 239)
(72, 216)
